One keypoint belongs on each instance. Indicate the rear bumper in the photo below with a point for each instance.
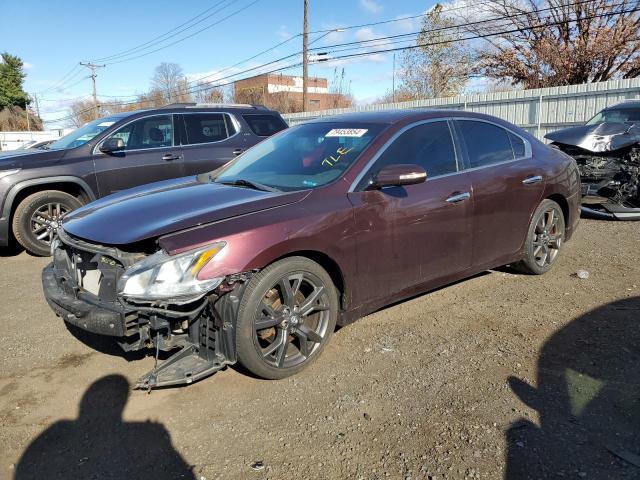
(81, 309)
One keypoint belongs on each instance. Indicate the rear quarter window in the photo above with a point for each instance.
(486, 143)
(264, 125)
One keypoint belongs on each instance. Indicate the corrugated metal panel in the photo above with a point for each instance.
(538, 111)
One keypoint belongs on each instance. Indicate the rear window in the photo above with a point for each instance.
(265, 125)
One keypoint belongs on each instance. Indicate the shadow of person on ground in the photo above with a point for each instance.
(99, 444)
(588, 400)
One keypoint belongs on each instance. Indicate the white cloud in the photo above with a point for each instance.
(283, 33)
(27, 65)
(403, 24)
(371, 6)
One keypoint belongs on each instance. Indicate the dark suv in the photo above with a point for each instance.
(118, 152)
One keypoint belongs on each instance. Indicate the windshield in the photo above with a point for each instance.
(621, 115)
(84, 134)
(302, 157)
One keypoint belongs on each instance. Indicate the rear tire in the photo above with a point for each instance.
(282, 329)
(545, 238)
(37, 217)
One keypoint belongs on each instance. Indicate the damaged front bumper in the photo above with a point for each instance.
(203, 331)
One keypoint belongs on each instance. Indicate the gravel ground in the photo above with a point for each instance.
(500, 376)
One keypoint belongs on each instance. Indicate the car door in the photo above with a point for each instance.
(507, 186)
(150, 154)
(417, 234)
(210, 140)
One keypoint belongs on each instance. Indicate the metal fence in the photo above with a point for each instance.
(538, 111)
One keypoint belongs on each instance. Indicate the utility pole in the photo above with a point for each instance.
(92, 67)
(305, 58)
(35, 99)
(393, 78)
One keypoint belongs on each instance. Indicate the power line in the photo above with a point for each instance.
(154, 39)
(542, 25)
(236, 12)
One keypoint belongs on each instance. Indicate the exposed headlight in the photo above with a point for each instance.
(164, 277)
(6, 173)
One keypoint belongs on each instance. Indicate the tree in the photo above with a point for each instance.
(14, 119)
(82, 111)
(205, 92)
(169, 79)
(560, 42)
(11, 77)
(441, 65)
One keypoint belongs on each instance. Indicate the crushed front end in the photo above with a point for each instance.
(84, 286)
(608, 157)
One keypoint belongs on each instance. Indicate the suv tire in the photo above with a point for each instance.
(295, 333)
(39, 215)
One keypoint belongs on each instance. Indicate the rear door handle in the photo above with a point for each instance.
(237, 151)
(170, 156)
(530, 180)
(459, 197)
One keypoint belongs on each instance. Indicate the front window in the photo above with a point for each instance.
(620, 115)
(84, 134)
(148, 132)
(302, 157)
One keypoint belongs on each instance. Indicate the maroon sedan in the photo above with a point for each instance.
(321, 224)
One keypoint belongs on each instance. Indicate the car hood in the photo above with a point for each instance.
(603, 137)
(160, 208)
(28, 158)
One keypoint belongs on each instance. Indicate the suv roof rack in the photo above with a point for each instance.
(226, 105)
(214, 105)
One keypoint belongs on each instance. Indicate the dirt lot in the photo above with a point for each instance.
(501, 376)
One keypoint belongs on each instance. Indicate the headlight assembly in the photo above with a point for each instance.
(164, 277)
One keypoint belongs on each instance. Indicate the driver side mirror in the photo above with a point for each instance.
(398, 175)
(112, 144)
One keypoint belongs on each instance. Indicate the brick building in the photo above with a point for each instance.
(284, 93)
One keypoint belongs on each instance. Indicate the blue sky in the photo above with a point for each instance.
(52, 37)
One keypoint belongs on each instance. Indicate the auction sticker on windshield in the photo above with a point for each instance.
(346, 132)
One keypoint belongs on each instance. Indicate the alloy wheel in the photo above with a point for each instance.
(46, 220)
(292, 319)
(547, 238)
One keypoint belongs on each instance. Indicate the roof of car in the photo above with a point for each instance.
(198, 107)
(624, 105)
(393, 116)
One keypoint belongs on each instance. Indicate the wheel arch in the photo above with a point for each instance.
(328, 264)
(68, 184)
(564, 205)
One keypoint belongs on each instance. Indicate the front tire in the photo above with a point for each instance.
(545, 238)
(286, 317)
(37, 218)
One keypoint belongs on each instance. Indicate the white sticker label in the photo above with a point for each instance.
(346, 132)
(106, 124)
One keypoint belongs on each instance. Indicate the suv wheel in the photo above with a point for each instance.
(287, 314)
(37, 218)
(544, 239)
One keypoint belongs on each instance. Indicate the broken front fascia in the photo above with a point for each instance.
(608, 157)
(203, 329)
(205, 335)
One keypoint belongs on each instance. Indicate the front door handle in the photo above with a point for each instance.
(170, 156)
(459, 197)
(237, 152)
(531, 179)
